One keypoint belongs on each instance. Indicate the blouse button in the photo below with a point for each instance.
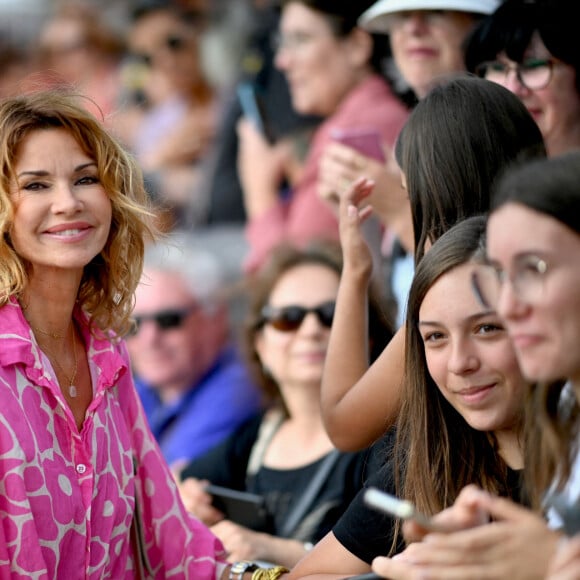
(81, 468)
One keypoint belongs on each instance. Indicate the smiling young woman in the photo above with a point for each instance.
(461, 410)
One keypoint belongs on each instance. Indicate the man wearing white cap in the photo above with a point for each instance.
(426, 35)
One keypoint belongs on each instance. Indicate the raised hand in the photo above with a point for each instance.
(339, 167)
(353, 211)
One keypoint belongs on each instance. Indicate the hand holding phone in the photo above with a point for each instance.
(398, 508)
(254, 109)
(244, 508)
(366, 141)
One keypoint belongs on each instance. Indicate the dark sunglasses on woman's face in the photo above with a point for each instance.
(289, 318)
(173, 43)
(164, 320)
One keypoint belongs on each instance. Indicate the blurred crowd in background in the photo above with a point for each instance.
(160, 74)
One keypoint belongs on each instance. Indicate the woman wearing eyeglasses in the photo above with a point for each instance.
(533, 244)
(278, 454)
(426, 41)
(335, 71)
(535, 262)
(531, 47)
(426, 36)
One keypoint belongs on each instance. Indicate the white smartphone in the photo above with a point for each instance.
(396, 507)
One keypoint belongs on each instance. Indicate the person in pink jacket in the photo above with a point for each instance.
(332, 67)
(86, 492)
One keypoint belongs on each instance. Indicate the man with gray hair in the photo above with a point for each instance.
(194, 388)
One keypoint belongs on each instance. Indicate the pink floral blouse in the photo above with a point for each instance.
(67, 499)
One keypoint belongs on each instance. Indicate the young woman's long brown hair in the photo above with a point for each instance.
(436, 452)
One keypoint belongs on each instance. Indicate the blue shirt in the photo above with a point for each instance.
(204, 415)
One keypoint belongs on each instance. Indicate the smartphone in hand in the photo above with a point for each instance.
(398, 508)
(366, 141)
(244, 508)
(254, 109)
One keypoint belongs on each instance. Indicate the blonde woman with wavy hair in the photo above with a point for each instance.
(107, 299)
(85, 489)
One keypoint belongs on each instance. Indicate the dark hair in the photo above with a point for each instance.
(549, 186)
(511, 27)
(453, 147)
(436, 452)
(343, 15)
(260, 285)
(190, 16)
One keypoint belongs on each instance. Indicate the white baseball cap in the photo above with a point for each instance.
(375, 18)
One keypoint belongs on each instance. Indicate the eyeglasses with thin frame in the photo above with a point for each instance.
(533, 73)
(527, 280)
(164, 320)
(293, 42)
(289, 318)
(426, 17)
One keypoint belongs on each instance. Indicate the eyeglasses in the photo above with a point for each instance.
(426, 17)
(527, 281)
(173, 43)
(289, 318)
(534, 74)
(292, 42)
(164, 320)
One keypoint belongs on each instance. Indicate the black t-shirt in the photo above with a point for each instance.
(367, 533)
(227, 463)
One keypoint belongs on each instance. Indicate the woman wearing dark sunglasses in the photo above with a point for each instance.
(531, 47)
(291, 311)
(171, 125)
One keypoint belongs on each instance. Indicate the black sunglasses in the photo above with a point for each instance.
(289, 318)
(165, 320)
(173, 43)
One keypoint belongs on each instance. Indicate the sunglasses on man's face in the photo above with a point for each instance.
(289, 318)
(164, 320)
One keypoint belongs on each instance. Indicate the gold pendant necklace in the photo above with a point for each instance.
(72, 389)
